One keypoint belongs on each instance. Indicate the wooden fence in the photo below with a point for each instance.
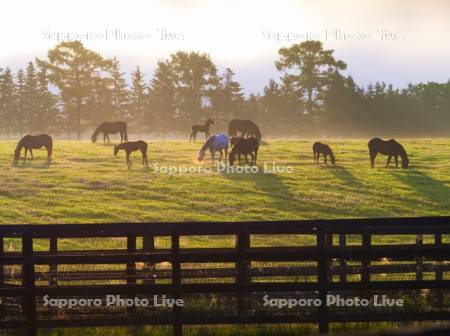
(224, 284)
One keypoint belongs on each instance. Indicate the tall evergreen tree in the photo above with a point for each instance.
(161, 99)
(7, 101)
(119, 92)
(137, 99)
(30, 100)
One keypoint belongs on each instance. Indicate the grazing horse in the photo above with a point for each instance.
(216, 143)
(30, 142)
(111, 128)
(325, 150)
(202, 129)
(387, 147)
(245, 146)
(133, 146)
(246, 127)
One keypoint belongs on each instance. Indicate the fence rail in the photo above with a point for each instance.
(224, 285)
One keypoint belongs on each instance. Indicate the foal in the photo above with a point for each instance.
(133, 146)
(325, 150)
(202, 129)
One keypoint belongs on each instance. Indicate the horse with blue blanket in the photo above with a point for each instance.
(216, 143)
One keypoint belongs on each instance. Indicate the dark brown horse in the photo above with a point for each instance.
(391, 148)
(202, 129)
(325, 150)
(111, 128)
(245, 146)
(247, 128)
(30, 142)
(133, 146)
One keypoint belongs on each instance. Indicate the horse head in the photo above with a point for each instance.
(210, 122)
(17, 153)
(201, 154)
(405, 162)
(94, 138)
(116, 150)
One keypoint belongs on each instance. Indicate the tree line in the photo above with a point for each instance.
(73, 89)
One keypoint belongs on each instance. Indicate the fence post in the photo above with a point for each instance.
(28, 282)
(2, 273)
(419, 260)
(131, 268)
(176, 282)
(439, 272)
(365, 262)
(148, 245)
(322, 272)
(2, 276)
(343, 262)
(53, 268)
(243, 268)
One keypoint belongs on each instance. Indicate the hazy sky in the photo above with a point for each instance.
(393, 41)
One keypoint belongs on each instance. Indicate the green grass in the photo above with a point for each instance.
(86, 184)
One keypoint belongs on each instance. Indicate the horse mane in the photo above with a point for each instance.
(207, 144)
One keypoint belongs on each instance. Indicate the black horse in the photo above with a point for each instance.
(391, 148)
(202, 129)
(133, 146)
(30, 142)
(245, 146)
(247, 128)
(111, 128)
(325, 150)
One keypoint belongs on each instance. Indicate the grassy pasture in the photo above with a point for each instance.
(85, 183)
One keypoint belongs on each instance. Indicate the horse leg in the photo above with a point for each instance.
(372, 159)
(396, 161)
(253, 158)
(128, 159)
(107, 137)
(325, 159)
(26, 151)
(256, 155)
(388, 161)
(31, 152)
(144, 158)
(190, 138)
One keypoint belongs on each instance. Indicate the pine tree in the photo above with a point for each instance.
(119, 92)
(30, 100)
(137, 99)
(161, 99)
(7, 101)
(47, 102)
(20, 119)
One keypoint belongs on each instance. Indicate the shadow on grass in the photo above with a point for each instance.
(425, 185)
(270, 184)
(346, 176)
(31, 164)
